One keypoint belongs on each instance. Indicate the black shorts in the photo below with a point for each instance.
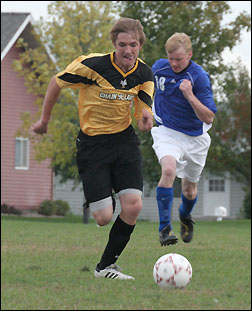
(109, 162)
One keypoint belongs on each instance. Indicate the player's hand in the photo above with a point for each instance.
(186, 88)
(39, 127)
(146, 123)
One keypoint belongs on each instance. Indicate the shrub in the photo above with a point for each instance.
(62, 207)
(7, 209)
(57, 207)
(247, 205)
(47, 208)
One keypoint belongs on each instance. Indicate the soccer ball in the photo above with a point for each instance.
(172, 271)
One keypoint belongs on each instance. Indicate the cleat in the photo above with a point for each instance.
(167, 237)
(186, 226)
(112, 272)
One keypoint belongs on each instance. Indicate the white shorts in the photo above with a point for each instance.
(190, 152)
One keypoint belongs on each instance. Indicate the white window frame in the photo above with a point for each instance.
(21, 155)
(217, 185)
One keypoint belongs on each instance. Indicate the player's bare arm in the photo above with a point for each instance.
(146, 123)
(52, 94)
(202, 112)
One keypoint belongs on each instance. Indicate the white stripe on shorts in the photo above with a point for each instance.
(101, 204)
(104, 203)
(131, 191)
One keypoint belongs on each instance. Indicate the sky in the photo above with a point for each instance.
(242, 50)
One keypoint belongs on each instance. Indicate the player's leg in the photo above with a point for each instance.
(128, 183)
(131, 205)
(102, 211)
(189, 197)
(94, 170)
(119, 236)
(98, 193)
(164, 191)
(196, 154)
(164, 196)
(122, 229)
(169, 153)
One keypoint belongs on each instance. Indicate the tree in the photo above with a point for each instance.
(74, 28)
(231, 129)
(80, 27)
(231, 132)
(201, 20)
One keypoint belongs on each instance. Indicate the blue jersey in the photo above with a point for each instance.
(170, 107)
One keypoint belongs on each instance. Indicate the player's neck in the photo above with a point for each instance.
(184, 68)
(122, 67)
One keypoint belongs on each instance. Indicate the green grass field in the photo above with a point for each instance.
(48, 263)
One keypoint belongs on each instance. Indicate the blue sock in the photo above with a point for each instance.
(186, 207)
(164, 198)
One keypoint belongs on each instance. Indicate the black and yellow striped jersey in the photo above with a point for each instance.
(106, 92)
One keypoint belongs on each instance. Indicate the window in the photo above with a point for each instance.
(22, 153)
(217, 185)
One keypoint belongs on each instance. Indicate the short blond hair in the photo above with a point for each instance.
(178, 40)
(125, 24)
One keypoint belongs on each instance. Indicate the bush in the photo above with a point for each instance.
(247, 205)
(7, 209)
(62, 207)
(47, 208)
(57, 207)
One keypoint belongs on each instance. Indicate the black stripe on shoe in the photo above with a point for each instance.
(111, 275)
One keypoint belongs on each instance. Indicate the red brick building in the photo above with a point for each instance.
(24, 182)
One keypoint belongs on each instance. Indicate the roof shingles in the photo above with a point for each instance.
(10, 23)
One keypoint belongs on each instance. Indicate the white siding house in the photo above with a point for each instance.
(213, 191)
(65, 192)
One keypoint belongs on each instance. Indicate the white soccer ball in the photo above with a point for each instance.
(172, 271)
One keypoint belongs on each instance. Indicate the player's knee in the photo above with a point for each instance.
(103, 217)
(190, 194)
(102, 220)
(134, 207)
(168, 171)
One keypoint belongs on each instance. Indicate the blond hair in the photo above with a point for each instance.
(178, 40)
(125, 24)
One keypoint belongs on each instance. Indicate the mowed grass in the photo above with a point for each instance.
(48, 264)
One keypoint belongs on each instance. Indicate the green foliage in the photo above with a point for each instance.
(47, 208)
(62, 207)
(231, 132)
(247, 204)
(8, 209)
(74, 28)
(82, 27)
(57, 207)
(201, 20)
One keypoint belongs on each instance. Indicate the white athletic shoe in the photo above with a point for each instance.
(112, 272)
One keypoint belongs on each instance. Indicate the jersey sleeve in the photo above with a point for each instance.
(203, 91)
(75, 76)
